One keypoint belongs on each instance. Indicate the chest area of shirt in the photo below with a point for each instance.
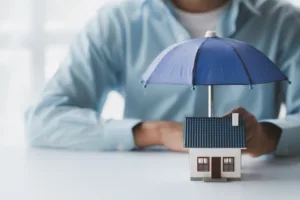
(142, 49)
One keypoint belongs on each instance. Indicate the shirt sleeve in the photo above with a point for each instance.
(289, 141)
(67, 115)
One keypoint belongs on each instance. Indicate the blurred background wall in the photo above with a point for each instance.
(34, 37)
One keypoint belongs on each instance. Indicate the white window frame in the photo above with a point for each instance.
(36, 41)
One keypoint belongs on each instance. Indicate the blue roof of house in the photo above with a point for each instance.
(214, 132)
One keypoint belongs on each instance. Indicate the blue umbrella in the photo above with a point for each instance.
(210, 61)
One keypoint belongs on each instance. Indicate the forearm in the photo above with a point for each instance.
(147, 134)
(67, 127)
(288, 143)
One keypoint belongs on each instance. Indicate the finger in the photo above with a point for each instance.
(251, 121)
(229, 113)
(241, 110)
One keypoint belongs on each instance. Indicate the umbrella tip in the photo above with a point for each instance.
(193, 88)
(210, 34)
(250, 87)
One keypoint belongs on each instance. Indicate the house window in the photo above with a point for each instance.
(228, 164)
(203, 164)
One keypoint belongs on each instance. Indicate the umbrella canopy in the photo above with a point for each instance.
(212, 61)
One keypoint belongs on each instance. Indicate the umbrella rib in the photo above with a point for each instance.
(196, 61)
(240, 58)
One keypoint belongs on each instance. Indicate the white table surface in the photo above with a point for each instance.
(36, 174)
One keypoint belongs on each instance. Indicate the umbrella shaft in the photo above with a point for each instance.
(210, 101)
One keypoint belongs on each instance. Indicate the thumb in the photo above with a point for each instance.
(242, 111)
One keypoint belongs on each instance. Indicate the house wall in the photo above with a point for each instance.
(236, 153)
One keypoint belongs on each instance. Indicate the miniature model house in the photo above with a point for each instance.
(215, 146)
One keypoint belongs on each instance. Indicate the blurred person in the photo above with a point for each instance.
(115, 48)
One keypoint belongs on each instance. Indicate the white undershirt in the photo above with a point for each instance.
(198, 23)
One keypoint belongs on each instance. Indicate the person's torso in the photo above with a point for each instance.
(152, 30)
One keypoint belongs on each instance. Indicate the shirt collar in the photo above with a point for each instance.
(253, 6)
(250, 4)
(228, 25)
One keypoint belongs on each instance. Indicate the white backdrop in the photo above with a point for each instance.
(34, 36)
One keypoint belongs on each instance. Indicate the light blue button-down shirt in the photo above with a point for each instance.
(116, 47)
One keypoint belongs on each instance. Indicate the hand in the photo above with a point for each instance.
(171, 136)
(165, 133)
(261, 138)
